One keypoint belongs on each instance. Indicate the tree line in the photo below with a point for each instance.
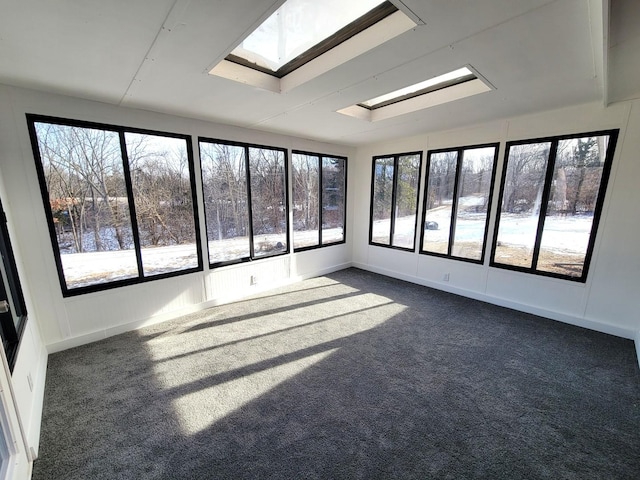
(576, 177)
(228, 198)
(406, 186)
(86, 179)
(308, 170)
(474, 178)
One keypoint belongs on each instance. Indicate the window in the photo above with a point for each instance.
(119, 202)
(550, 203)
(13, 311)
(457, 201)
(394, 200)
(301, 30)
(245, 200)
(319, 183)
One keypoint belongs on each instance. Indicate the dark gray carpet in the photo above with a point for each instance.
(348, 376)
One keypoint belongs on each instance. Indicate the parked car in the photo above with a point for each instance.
(431, 225)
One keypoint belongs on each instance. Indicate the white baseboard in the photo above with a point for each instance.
(591, 324)
(127, 327)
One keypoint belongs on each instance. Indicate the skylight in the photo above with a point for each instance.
(437, 83)
(461, 83)
(301, 30)
(307, 38)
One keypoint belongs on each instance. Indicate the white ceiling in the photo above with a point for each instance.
(155, 55)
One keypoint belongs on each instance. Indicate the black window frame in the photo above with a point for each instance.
(359, 25)
(549, 173)
(454, 209)
(11, 333)
(322, 156)
(32, 119)
(392, 220)
(246, 146)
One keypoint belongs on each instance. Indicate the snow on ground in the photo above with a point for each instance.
(404, 229)
(90, 268)
(308, 238)
(569, 235)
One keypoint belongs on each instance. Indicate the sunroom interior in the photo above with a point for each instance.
(550, 80)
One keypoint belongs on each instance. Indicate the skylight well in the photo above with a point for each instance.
(454, 85)
(437, 83)
(305, 38)
(301, 29)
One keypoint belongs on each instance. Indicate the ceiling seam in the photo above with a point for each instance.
(176, 10)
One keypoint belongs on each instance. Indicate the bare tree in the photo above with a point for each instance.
(225, 190)
(84, 166)
(161, 187)
(305, 191)
(333, 191)
(442, 173)
(526, 170)
(267, 191)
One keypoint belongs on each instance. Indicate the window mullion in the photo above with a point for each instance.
(454, 203)
(544, 202)
(320, 190)
(249, 200)
(194, 199)
(425, 200)
(132, 206)
(287, 199)
(394, 194)
(372, 199)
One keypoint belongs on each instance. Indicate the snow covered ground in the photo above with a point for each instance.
(308, 238)
(90, 268)
(568, 234)
(562, 235)
(403, 233)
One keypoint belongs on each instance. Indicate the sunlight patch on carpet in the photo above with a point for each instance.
(199, 410)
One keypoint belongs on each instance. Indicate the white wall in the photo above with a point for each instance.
(606, 302)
